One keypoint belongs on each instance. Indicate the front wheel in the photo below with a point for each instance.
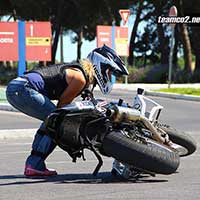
(149, 156)
(186, 143)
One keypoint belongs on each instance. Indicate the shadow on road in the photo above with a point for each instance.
(101, 178)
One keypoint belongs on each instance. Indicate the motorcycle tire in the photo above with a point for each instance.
(186, 142)
(150, 156)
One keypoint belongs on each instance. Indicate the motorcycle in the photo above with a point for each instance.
(131, 134)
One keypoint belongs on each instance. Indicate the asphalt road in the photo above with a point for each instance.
(181, 114)
(75, 180)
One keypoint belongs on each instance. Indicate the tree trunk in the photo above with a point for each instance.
(57, 28)
(197, 62)
(61, 47)
(176, 37)
(196, 74)
(195, 34)
(163, 45)
(144, 59)
(134, 34)
(55, 42)
(187, 49)
(109, 10)
(186, 42)
(196, 49)
(79, 43)
(163, 40)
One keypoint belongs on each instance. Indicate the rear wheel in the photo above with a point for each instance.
(149, 156)
(186, 143)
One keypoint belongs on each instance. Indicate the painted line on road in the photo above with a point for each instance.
(22, 152)
(17, 133)
(14, 143)
(80, 161)
(14, 152)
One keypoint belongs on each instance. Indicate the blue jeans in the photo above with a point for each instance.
(29, 101)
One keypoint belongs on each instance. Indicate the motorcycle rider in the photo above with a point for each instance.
(32, 94)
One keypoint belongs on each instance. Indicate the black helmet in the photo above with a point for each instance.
(106, 62)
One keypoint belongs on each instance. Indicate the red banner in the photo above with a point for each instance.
(8, 41)
(104, 36)
(38, 41)
(121, 41)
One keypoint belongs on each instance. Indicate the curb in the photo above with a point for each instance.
(173, 96)
(7, 107)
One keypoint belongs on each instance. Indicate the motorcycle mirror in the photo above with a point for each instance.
(140, 91)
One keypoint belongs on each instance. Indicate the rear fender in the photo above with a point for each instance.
(79, 106)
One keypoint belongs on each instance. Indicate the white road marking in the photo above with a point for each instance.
(17, 133)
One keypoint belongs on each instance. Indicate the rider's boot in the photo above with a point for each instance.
(42, 146)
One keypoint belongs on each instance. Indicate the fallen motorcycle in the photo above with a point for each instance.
(131, 134)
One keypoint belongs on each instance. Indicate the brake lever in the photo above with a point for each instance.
(87, 94)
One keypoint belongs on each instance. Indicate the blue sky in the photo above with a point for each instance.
(70, 50)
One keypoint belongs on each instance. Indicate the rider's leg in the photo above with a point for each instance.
(32, 103)
(42, 146)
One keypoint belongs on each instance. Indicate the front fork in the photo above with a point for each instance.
(122, 170)
(126, 171)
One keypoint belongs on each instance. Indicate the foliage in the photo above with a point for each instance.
(196, 76)
(157, 74)
(181, 76)
(81, 17)
(137, 75)
(7, 73)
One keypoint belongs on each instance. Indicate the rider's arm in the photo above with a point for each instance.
(76, 83)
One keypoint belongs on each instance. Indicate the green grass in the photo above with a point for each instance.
(2, 95)
(188, 91)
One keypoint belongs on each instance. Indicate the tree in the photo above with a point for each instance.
(162, 8)
(78, 16)
(185, 40)
(149, 11)
(195, 32)
(46, 10)
(134, 32)
(92, 13)
(147, 45)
